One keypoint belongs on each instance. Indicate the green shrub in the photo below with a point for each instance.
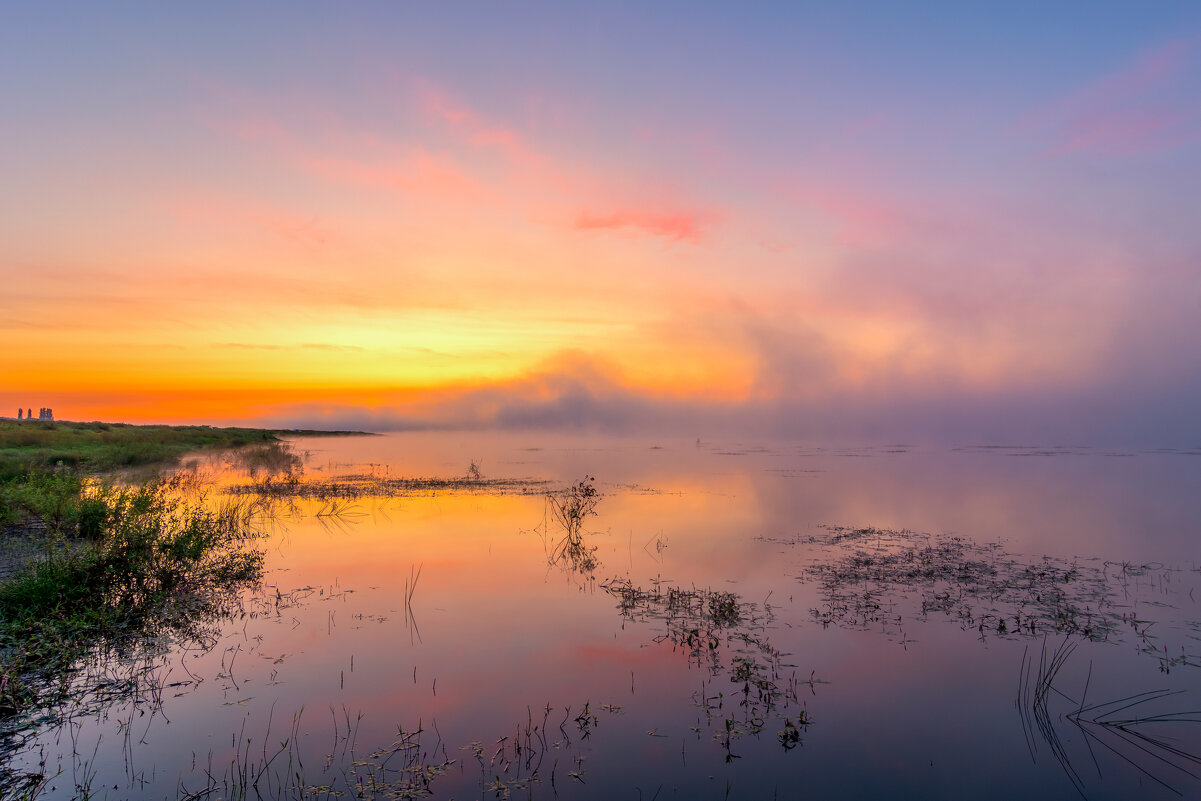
(93, 516)
(52, 497)
(152, 562)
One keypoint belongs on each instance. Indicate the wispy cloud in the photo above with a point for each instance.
(677, 226)
(338, 154)
(1147, 105)
(438, 105)
(458, 155)
(304, 346)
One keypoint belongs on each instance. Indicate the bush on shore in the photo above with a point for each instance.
(155, 563)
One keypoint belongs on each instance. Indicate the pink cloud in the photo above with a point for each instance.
(859, 216)
(1149, 67)
(677, 226)
(555, 177)
(340, 156)
(1128, 131)
(412, 170)
(459, 153)
(864, 221)
(206, 208)
(308, 232)
(475, 129)
(1146, 106)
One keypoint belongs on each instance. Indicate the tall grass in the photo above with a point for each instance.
(43, 464)
(34, 446)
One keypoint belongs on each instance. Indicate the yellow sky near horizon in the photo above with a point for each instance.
(191, 240)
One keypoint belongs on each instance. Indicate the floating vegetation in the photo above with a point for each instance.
(293, 484)
(881, 578)
(276, 473)
(721, 633)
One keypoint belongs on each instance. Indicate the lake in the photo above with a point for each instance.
(726, 619)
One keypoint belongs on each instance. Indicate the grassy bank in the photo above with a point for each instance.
(117, 566)
(43, 464)
(99, 447)
(157, 564)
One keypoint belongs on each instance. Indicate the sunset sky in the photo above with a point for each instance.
(899, 220)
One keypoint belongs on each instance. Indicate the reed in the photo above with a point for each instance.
(1141, 731)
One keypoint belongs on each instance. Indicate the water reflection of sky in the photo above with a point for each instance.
(494, 635)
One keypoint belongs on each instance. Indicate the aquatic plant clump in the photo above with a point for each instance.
(718, 631)
(570, 508)
(294, 484)
(871, 577)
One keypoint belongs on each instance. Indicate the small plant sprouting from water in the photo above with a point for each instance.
(790, 735)
(474, 472)
(570, 508)
(404, 769)
(574, 504)
(410, 590)
(719, 631)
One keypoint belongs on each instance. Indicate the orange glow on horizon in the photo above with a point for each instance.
(440, 258)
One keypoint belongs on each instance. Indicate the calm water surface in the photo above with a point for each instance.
(764, 620)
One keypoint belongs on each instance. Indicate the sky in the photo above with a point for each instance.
(898, 221)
